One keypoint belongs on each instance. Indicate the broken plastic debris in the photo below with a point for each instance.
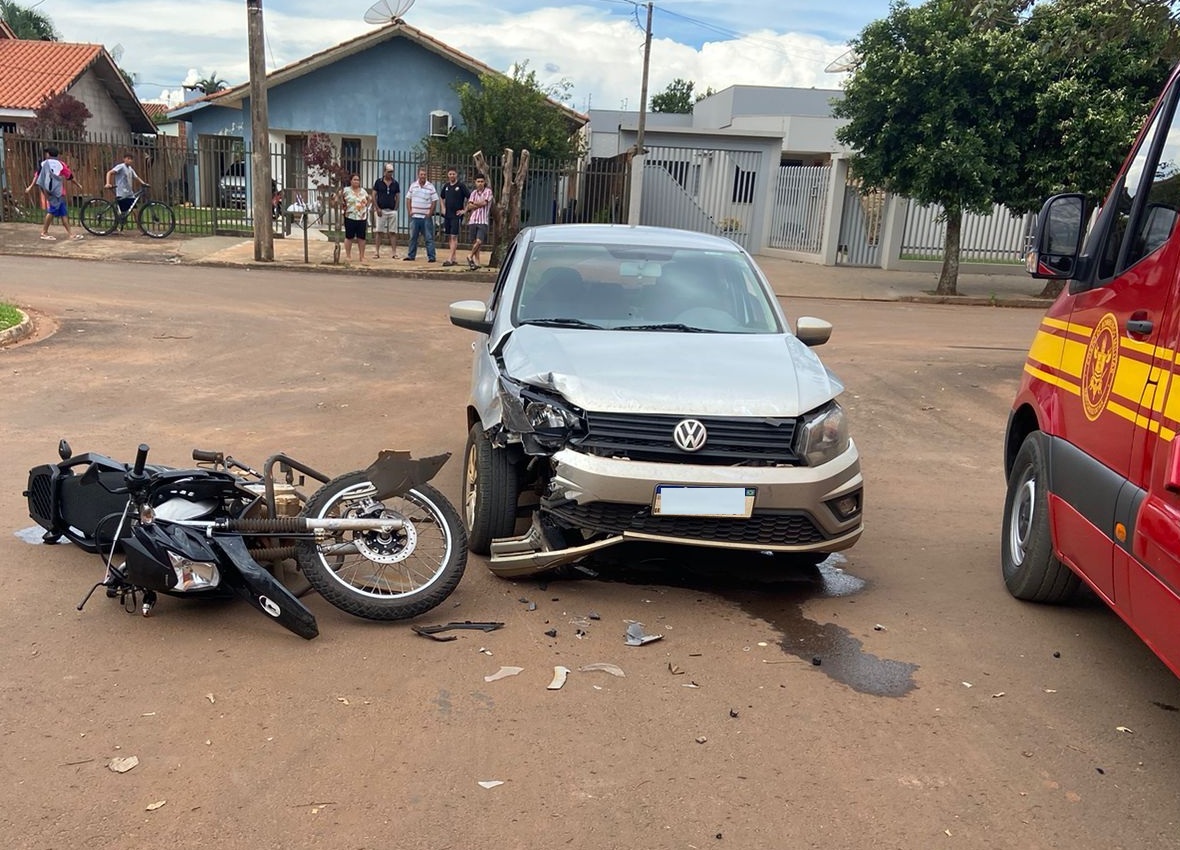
(210, 698)
(485, 651)
(603, 667)
(967, 685)
(342, 699)
(123, 763)
(879, 628)
(637, 637)
(997, 696)
(702, 739)
(151, 807)
(594, 615)
(559, 674)
(503, 673)
(1124, 729)
(551, 633)
(690, 685)
(490, 783)
(763, 643)
(674, 670)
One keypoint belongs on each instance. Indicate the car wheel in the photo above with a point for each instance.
(1031, 571)
(491, 487)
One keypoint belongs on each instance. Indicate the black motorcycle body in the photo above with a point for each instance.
(211, 533)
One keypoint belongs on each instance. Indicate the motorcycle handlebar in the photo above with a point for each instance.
(140, 460)
(207, 456)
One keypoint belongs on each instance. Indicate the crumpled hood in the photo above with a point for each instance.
(697, 374)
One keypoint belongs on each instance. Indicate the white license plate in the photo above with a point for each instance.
(675, 500)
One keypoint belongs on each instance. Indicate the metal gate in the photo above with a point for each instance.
(706, 190)
(860, 227)
(798, 208)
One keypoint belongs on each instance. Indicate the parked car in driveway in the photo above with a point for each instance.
(642, 383)
(231, 188)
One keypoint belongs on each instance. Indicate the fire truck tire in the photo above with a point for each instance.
(1032, 571)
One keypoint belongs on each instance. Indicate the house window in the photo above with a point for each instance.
(440, 123)
(743, 186)
(350, 155)
(7, 126)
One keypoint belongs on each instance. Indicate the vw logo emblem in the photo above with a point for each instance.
(690, 435)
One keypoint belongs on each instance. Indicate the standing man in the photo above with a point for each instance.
(122, 179)
(454, 202)
(51, 180)
(386, 195)
(421, 202)
(479, 204)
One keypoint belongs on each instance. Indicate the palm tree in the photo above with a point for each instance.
(28, 23)
(206, 85)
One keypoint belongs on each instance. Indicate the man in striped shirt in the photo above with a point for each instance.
(421, 201)
(479, 203)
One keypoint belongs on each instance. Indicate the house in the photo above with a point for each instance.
(376, 96)
(31, 70)
(720, 168)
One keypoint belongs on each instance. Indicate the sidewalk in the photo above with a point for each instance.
(790, 279)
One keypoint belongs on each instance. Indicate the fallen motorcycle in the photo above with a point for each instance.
(379, 543)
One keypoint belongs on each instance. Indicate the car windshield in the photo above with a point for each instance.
(642, 288)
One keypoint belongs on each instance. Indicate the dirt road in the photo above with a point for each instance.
(941, 712)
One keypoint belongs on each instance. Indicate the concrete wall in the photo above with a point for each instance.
(105, 115)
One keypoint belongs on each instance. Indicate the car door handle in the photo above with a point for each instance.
(1140, 326)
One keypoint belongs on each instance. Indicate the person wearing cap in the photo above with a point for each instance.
(386, 194)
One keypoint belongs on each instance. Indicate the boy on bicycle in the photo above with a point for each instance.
(124, 178)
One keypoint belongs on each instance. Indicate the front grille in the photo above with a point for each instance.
(764, 441)
(41, 500)
(764, 528)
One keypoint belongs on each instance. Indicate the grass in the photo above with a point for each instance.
(10, 317)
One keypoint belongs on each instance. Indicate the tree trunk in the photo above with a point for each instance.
(504, 217)
(948, 278)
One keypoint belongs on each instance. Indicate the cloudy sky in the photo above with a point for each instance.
(595, 44)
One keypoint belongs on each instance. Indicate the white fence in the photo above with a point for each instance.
(998, 237)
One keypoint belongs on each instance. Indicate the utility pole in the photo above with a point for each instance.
(261, 196)
(640, 154)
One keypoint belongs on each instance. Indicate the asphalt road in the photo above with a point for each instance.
(942, 713)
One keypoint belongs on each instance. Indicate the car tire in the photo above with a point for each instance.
(491, 488)
(1032, 571)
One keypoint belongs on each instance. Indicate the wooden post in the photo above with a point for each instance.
(261, 196)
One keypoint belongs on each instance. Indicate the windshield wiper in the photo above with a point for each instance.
(561, 323)
(665, 326)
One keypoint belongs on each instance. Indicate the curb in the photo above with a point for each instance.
(17, 332)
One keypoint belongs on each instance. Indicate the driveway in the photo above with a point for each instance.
(900, 700)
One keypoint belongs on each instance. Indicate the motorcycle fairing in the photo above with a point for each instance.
(262, 590)
(148, 565)
(65, 503)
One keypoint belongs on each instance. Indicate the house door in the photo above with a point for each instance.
(860, 227)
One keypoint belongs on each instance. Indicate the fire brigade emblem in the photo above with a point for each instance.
(1099, 366)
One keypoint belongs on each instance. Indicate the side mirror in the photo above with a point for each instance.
(1057, 240)
(812, 331)
(471, 315)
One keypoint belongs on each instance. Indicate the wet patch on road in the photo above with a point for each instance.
(772, 588)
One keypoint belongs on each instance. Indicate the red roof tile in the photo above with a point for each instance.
(29, 70)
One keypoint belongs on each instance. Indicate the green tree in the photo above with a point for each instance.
(59, 117)
(677, 97)
(28, 23)
(514, 112)
(209, 85)
(933, 112)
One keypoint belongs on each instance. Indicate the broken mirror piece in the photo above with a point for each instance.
(637, 637)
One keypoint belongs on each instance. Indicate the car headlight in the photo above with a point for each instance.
(824, 435)
(545, 417)
(193, 575)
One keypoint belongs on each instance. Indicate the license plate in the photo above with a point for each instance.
(675, 500)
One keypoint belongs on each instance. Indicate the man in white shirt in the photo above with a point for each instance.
(421, 202)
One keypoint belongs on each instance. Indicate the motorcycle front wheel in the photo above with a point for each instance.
(378, 576)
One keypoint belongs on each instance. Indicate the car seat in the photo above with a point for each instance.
(559, 295)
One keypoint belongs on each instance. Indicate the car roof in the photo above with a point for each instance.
(625, 234)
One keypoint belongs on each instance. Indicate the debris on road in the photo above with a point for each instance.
(637, 637)
(210, 698)
(733, 713)
(594, 615)
(559, 675)
(603, 667)
(151, 807)
(433, 631)
(1124, 729)
(503, 673)
(123, 764)
(816, 660)
(702, 739)
(997, 696)
(879, 628)
(551, 633)
(674, 669)
(490, 783)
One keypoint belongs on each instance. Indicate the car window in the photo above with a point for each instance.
(643, 287)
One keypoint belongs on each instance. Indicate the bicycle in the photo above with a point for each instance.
(101, 216)
(14, 210)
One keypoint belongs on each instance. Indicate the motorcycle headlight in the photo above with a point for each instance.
(546, 417)
(824, 435)
(193, 575)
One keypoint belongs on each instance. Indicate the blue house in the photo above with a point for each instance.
(370, 117)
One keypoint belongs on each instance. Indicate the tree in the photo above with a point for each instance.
(933, 112)
(327, 174)
(209, 85)
(59, 117)
(28, 23)
(677, 97)
(510, 112)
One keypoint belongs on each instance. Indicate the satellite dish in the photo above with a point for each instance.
(117, 53)
(387, 11)
(846, 61)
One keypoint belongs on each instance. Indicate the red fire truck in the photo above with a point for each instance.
(1091, 452)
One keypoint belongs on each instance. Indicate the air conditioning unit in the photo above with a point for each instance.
(440, 124)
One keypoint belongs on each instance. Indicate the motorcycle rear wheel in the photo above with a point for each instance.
(412, 570)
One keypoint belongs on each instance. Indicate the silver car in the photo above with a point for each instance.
(642, 383)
